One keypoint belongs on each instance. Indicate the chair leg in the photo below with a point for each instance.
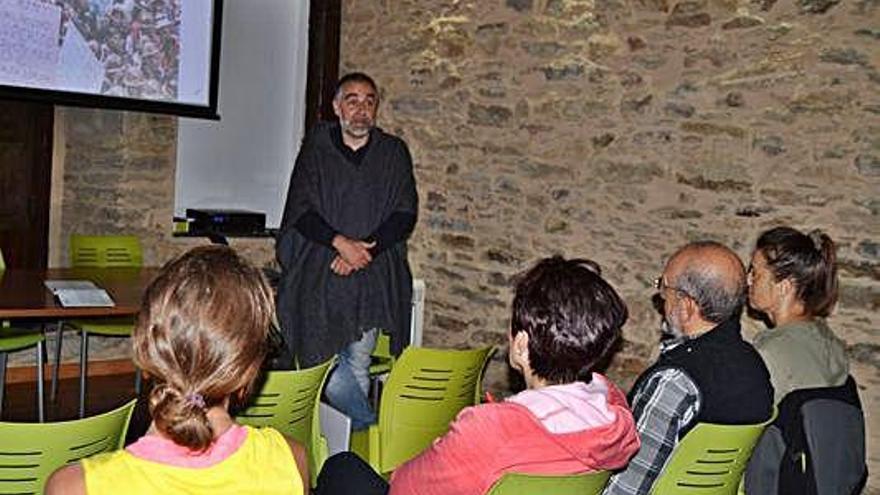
(83, 372)
(374, 392)
(137, 381)
(41, 413)
(2, 380)
(59, 332)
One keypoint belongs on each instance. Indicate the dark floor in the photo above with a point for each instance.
(103, 393)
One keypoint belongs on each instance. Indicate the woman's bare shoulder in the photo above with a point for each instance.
(69, 480)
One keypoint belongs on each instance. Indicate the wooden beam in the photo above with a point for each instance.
(325, 18)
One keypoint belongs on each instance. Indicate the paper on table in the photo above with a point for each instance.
(57, 285)
(79, 294)
(84, 298)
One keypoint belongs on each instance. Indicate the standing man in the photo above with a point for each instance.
(350, 208)
(706, 373)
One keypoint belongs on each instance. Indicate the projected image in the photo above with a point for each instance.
(155, 50)
(133, 45)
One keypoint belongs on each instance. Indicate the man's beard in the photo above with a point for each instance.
(356, 129)
(668, 327)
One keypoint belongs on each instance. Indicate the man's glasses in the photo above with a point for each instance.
(660, 285)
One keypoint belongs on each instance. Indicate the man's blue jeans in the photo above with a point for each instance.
(348, 386)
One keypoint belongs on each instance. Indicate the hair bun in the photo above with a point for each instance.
(182, 417)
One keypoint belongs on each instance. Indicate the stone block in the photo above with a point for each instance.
(724, 185)
(742, 22)
(414, 106)
(867, 353)
(844, 56)
(817, 6)
(869, 249)
(489, 115)
(678, 109)
(771, 145)
(563, 72)
(689, 14)
(519, 5)
(712, 129)
(449, 324)
(868, 165)
(457, 241)
(860, 297)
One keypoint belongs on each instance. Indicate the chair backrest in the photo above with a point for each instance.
(30, 452)
(709, 460)
(288, 401)
(424, 392)
(546, 484)
(105, 251)
(382, 358)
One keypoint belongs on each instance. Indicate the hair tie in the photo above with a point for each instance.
(197, 400)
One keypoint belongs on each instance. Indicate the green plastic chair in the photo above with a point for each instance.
(424, 392)
(98, 251)
(30, 452)
(288, 401)
(710, 460)
(381, 362)
(17, 339)
(382, 359)
(546, 484)
(105, 251)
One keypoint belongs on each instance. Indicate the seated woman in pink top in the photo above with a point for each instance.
(569, 419)
(202, 336)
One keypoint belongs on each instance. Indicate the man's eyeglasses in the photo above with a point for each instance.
(660, 285)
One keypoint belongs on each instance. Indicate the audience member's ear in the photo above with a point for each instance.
(691, 309)
(519, 350)
(787, 288)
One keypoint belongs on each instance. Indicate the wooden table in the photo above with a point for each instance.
(23, 295)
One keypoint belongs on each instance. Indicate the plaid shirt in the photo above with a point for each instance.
(665, 402)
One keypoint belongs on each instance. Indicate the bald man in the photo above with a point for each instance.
(706, 372)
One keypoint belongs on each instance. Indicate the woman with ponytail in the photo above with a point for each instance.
(201, 336)
(793, 281)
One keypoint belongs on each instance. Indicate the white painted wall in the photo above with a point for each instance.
(244, 160)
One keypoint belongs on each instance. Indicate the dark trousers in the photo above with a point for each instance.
(345, 473)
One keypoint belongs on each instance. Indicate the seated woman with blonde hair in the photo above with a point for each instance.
(202, 336)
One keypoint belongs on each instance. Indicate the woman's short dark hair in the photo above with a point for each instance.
(808, 260)
(571, 315)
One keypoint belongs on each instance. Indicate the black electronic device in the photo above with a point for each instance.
(226, 222)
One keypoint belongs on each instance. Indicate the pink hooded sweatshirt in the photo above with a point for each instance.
(560, 429)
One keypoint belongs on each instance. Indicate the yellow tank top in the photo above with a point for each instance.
(262, 464)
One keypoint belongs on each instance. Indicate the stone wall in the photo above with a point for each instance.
(620, 129)
(114, 173)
